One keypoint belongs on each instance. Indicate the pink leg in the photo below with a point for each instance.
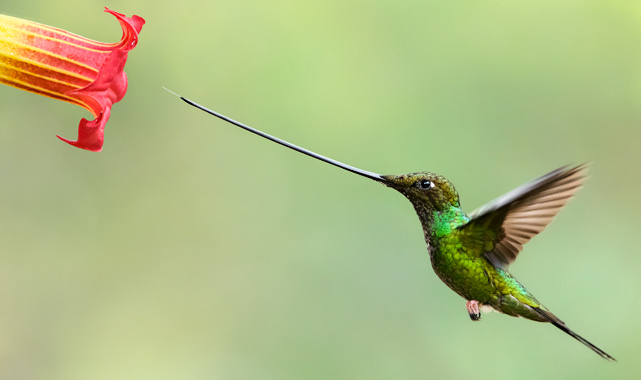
(473, 310)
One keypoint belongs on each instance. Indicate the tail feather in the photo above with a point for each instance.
(561, 326)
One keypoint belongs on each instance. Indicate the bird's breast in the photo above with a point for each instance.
(463, 271)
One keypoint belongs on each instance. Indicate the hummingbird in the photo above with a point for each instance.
(471, 253)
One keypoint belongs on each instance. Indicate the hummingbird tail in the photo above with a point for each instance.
(561, 326)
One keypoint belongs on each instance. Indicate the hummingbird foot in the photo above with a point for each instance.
(474, 310)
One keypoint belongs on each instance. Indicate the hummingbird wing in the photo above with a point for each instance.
(501, 227)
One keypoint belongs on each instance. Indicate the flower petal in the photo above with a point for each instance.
(55, 63)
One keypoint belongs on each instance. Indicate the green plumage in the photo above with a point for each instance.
(471, 254)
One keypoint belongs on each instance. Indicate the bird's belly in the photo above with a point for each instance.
(465, 273)
(474, 278)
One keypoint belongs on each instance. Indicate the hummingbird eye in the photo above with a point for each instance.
(425, 184)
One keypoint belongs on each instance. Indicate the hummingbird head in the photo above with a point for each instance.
(426, 191)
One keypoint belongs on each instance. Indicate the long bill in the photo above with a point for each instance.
(364, 173)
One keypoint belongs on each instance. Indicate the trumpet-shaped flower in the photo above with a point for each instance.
(61, 65)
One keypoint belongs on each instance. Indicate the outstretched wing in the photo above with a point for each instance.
(501, 227)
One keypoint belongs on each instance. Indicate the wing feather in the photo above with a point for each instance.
(504, 225)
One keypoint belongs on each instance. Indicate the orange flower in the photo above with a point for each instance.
(61, 65)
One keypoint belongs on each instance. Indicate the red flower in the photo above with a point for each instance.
(61, 65)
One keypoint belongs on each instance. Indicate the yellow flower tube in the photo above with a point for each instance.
(62, 65)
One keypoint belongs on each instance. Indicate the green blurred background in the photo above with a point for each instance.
(189, 249)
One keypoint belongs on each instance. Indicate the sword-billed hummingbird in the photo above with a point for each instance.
(471, 253)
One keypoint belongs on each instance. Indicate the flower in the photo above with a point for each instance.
(61, 65)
